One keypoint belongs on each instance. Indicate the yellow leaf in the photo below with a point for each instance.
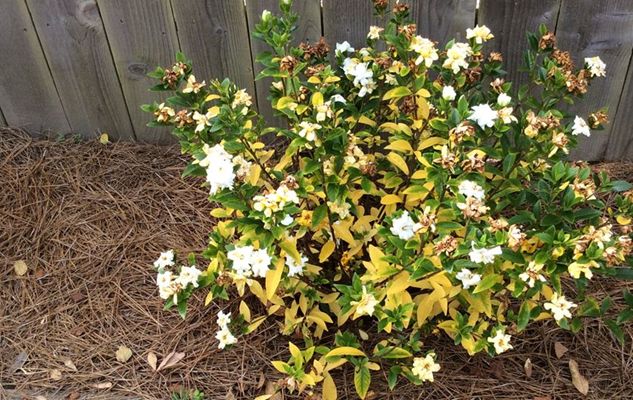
(420, 174)
(104, 138)
(20, 267)
(329, 388)
(314, 80)
(423, 93)
(366, 121)
(273, 277)
(397, 93)
(290, 247)
(342, 231)
(423, 109)
(254, 173)
(345, 351)
(622, 220)
(211, 97)
(400, 145)
(208, 299)
(285, 160)
(264, 397)
(317, 99)
(123, 354)
(390, 199)
(397, 160)
(399, 283)
(255, 324)
(279, 366)
(245, 311)
(285, 102)
(430, 142)
(326, 250)
(295, 352)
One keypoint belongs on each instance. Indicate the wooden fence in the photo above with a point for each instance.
(80, 65)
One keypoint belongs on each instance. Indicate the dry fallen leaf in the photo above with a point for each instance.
(104, 385)
(73, 396)
(172, 359)
(40, 398)
(230, 395)
(528, 368)
(20, 267)
(70, 364)
(123, 354)
(560, 350)
(580, 382)
(104, 138)
(56, 374)
(152, 360)
(19, 362)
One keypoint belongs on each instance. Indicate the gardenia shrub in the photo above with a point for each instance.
(414, 192)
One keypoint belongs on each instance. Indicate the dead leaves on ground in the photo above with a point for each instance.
(123, 354)
(172, 359)
(580, 382)
(20, 267)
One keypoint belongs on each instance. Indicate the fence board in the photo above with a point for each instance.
(620, 146)
(72, 37)
(509, 21)
(309, 29)
(213, 34)
(348, 20)
(142, 35)
(598, 28)
(442, 20)
(3, 122)
(28, 96)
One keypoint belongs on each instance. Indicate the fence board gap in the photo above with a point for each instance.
(213, 34)
(72, 37)
(620, 145)
(509, 21)
(142, 35)
(28, 96)
(588, 28)
(308, 29)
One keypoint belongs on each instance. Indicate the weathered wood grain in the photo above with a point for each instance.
(443, 20)
(348, 20)
(598, 28)
(73, 40)
(509, 20)
(620, 145)
(308, 29)
(3, 122)
(142, 35)
(28, 96)
(214, 35)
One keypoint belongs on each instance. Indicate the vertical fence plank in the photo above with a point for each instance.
(3, 122)
(509, 20)
(589, 28)
(71, 33)
(620, 146)
(142, 35)
(214, 35)
(348, 20)
(308, 30)
(443, 20)
(28, 96)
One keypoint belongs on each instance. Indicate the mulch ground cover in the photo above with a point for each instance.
(89, 219)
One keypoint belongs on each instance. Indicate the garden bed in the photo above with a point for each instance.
(89, 219)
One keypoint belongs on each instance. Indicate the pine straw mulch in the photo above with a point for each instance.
(89, 220)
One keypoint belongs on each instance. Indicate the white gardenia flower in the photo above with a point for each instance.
(192, 86)
(223, 320)
(165, 292)
(596, 66)
(166, 259)
(484, 115)
(456, 57)
(241, 259)
(471, 189)
(501, 341)
(225, 338)
(448, 93)
(468, 278)
(580, 127)
(295, 268)
(188, 275)
(242, 98)
(481, 34)
(404, 227)
(366, 305)
(559, 306)
(374, 32)
(532, 274)
(361, 74)
(503, 99)
(337, 98)
(344, 47)
(164, 279)
(505, 115)
(220, 175)
(484, 256)
(308, 130)
(287, 220)
(427, 53)
(266, 15)
(423, 367)
(260, 263)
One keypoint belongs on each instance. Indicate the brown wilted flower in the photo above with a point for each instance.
(585, 188)
(303, 93)
(428, 219)
(408, 30)
(626, 244)
(314, 70)
(223, 279)
(474, 162)
(170, 78)
(447, 245)
(290, 182)
(369, 168)
(408, 105)
(497, 225)
(477, 57)
(473, 74)
(495, 57)
(613, 256)
(380, 5)
(461, 131)
(577, 84)
(384, 61)
(473, 208)
(288, 64)
(447, 159)
(548, 41)
(497, 84)
(516, 237)
(318, 50)
(560, 140)
(401, 9)
(563, 59)
(183, 118)
(598, 118)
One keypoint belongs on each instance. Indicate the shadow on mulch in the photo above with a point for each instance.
(89, 220)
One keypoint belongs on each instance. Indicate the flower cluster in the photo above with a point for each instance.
(411, 190)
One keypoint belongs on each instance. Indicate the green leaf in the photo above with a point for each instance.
(616, 330)
(488, 282)
(392, 378)
(397, 93)
(625, 273)
(318, 214)
(362, 379)
(524, 316)
(621, 186)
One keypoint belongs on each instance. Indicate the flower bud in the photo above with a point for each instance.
(266, 15)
